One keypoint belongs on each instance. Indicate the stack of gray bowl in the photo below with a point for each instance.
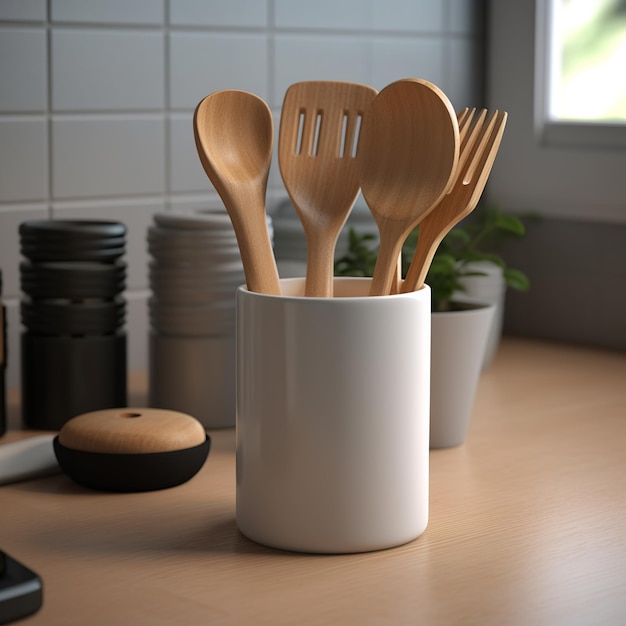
(194, 273)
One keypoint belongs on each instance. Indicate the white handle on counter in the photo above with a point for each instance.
(27, 458)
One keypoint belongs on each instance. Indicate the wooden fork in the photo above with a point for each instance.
(479, 146)
(464, 119)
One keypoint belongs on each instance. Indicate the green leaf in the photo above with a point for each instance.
(491, 257)
(516, 279)
(510, 223)
(458, 235)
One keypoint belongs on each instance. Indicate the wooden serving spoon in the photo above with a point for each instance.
(480, 147)
(319, 132)
(464, 118)
(408, 153)
(234, 134)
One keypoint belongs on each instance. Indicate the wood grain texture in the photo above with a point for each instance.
(319, 128)
(234, 134)
(526, 526)
(479, 147)
(408, 153)
(132, 431)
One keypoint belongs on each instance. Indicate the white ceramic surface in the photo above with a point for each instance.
(459, 341)
(490, 287)
(332, 417)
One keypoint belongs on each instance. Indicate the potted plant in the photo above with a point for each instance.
(476, 247)
(460, 325)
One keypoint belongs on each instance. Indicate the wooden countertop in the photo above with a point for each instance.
(527, 526)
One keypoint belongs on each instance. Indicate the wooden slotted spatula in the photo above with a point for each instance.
(482, 141)
(319, 131)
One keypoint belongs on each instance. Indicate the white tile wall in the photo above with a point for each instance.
(108, 12)
(96, 99)
(107, 70)
(186, 171)
(219, 13)
(23, 10)
(359, 15)
(108, 156)
(319, 57)
(401, 57)
(23, 71)
(422, 16)
(23, 159)
(201, 63)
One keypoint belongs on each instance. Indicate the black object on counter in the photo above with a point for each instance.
(132, 449)
(73, 313)
(132, 472)
(21, 590)
(3, 364)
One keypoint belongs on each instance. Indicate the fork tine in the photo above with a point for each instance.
(462, 114)
(485, 153)
(466, 192)
(469, 139)
(488, 158)
(464, 119)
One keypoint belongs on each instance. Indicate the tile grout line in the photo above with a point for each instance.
(50, 147)
(167, 126)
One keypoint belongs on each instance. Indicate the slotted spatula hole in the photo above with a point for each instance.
(344, 130)
(318, 129)
(357, 132)
(301, 118)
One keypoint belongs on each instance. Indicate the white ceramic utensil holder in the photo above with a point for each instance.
(332, 417)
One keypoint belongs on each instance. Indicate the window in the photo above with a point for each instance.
(588, 61)
(560, 168)
(581, 56)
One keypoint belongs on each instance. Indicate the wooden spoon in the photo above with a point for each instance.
(319, 131)
(479, 150)
(234, 134)
(464, 118)
(408, 152)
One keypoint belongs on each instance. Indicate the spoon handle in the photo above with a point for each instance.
(387, 261)
(255, 246)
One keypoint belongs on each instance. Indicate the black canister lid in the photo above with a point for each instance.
(72, 240)
(70, 230)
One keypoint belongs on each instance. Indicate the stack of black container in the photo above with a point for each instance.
(73, 313)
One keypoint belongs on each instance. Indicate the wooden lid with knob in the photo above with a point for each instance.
(132, 431)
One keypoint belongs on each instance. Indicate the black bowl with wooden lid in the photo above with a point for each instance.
(132, 449)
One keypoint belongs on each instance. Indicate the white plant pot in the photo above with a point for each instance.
(490, 287)
(459, 340)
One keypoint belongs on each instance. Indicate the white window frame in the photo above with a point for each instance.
(540, 167)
